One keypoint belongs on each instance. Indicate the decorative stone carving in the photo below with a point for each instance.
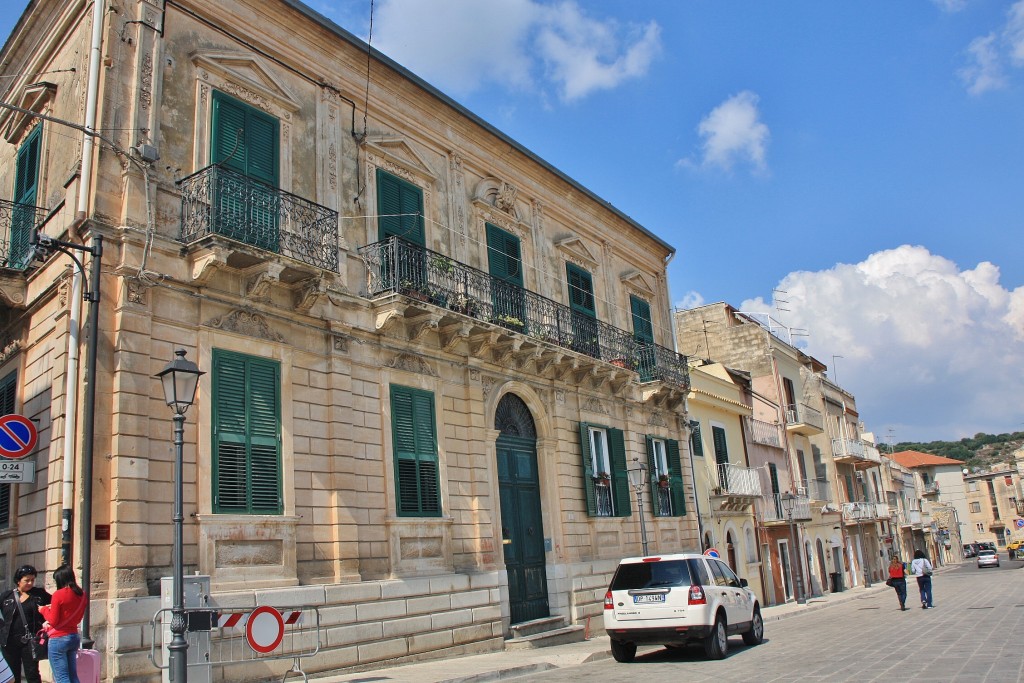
(595, 406)
(309, 293)
(488, 384)
(411, 363)
(474, 375)
(249, 323)
(340, 342)
(657, 420)
(10, 350)
(560, 396)
(506, 197)
(135, 291)
(146, 82)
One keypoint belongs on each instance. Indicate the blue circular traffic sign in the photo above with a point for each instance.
(712, 552)
(1020, 523)
(18, 436)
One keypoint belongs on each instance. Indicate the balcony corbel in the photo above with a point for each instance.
(452, 334)
(309, 292)
(388, 318)
(421, 324)
(483, 342)
(263, 278)
(205, 262)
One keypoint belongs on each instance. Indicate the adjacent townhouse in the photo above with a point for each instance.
(430, 357)
(785, 392)
(726, 488)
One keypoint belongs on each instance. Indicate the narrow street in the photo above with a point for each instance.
(973, 634)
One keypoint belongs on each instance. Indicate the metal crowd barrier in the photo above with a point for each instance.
(219, 636)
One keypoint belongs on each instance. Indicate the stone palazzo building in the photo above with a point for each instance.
(429, 355)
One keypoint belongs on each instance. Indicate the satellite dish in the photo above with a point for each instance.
(966, 471)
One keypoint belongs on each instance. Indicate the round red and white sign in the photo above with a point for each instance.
(264, 629)
(18, 436)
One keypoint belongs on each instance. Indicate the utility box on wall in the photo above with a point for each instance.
(197, 594)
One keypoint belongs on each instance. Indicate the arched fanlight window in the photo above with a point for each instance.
(513, 418)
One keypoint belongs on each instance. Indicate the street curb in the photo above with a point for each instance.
(501, 674)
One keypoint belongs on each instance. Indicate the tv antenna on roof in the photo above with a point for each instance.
(779, 301)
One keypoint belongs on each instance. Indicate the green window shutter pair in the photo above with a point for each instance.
(400, 209)
(643, 329)
(581, 290)
(246, 434)
(675, 476)
(26, 190)
(616, 461)
(504, 256)
(415, 450)
(8, 401)
(244, 139)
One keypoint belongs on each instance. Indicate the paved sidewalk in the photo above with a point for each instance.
(497, 666)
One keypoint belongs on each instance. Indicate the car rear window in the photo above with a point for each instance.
(987, 552)
(637, 575)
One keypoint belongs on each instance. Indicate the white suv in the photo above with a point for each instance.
(674, 600)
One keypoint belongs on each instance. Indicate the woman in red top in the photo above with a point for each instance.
(63, 615)
(898, 580)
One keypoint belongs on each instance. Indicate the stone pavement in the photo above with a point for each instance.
(502, 665)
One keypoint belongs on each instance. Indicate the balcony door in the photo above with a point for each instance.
(400, 214)
(245, 140)
(504, 260)
(584, 327)
(26, 189)
(643, 333)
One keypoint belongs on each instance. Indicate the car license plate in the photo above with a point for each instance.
(638, 599)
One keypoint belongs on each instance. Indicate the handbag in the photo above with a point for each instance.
(40, 641)
(889, 582)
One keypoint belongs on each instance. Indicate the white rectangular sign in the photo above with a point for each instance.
(15, 471)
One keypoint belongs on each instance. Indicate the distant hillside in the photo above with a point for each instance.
(978, 452)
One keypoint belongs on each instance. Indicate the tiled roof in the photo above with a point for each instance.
(918, 459)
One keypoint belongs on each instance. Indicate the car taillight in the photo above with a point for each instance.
(697, 596)
(608, 602)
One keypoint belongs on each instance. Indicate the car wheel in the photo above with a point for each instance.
(716, 645)
(623, 652)
(756, 633)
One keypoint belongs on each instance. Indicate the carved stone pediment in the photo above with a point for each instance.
(639, 283)
(575, 250)
(257, 83)
(396, 155)
(36, 97)
(248, 323)
(502, 198)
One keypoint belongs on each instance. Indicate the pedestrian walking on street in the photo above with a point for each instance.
(922, 568)
(19, 608)
(62, 616)
(898, 580)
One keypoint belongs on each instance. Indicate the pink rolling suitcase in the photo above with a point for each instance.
(88, 662)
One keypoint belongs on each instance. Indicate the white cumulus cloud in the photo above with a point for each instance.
(928, 349)
(461, 45)
(733, 133)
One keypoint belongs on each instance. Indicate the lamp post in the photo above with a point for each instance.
(789, 502)
(637, 474)
(180, 379)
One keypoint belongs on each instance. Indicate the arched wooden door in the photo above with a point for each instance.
(522, 526)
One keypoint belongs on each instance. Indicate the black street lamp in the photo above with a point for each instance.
(789, 502)
(180, 379)
(637, 474)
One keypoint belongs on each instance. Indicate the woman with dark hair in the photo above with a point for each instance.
(21, 620)
(923, 569)
(62, 619)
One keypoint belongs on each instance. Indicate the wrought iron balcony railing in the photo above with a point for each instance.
(802, 414)
(772, 508)
(817, 489)
(219, 201)
(16, 224)
(764, 433)
(395, 266)
(736, 480)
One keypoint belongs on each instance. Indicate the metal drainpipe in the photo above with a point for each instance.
(91, 102)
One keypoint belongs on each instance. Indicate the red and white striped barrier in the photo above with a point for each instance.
(239, 619)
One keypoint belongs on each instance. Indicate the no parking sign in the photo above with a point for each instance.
(18, 436)
(1020, 523)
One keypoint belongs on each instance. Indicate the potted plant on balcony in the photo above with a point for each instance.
(413, 290)
(442, 264)
(509, 321)
(663, 481)
(603, 479)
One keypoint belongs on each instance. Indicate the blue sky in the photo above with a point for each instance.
(863, 157)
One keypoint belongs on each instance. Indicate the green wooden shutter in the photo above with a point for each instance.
(581, 290)
(415, 450)
(26, 189)
(620, 480)
(675, 476)
(246, 434)
(643, 329)
(588, 470)
(721, 449)
(8, 403)
(255, 147)
(503, 255)
(696, 442)
(400, 207)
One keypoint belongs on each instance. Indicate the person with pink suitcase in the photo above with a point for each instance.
(63, 614)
